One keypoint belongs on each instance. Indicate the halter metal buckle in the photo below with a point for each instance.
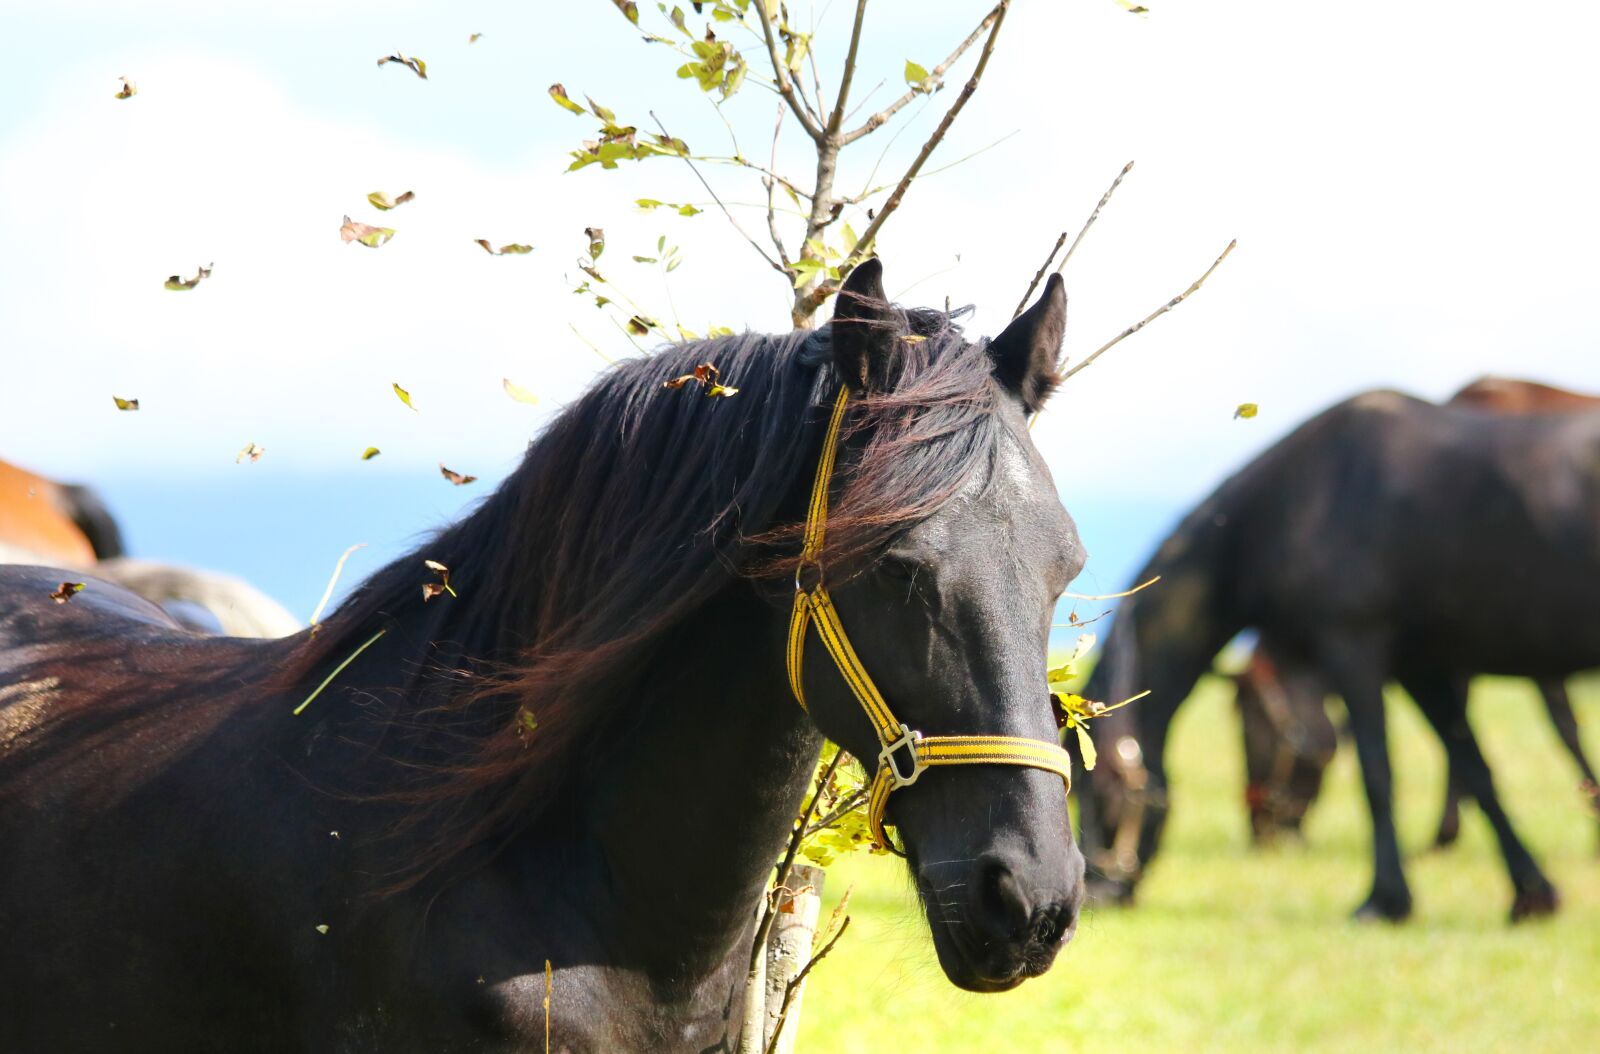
(886, 758)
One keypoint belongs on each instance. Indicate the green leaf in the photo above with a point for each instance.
(805, 270)
(559, 94)
(629, 9)
(915, 75)
(645, 259)
(689, 210)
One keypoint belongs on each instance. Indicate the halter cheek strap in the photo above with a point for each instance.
(904, 753)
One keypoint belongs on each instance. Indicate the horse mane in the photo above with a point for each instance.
(632, 510)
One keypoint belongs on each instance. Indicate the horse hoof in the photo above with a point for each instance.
(1533, 903)
(1383, 909)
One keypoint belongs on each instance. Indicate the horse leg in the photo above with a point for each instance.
(1450, 815)
(1357, 675)
(1443, 701)
(1556, 701)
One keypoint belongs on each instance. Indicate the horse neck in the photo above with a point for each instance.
(690, 807)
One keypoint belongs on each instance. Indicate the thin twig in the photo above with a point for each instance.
(327, 594)
(759, 947)
(338, 670)
(776, 266)
(798, 979)
(780, 72)
(824, 290)
(1039, 276)
(1114, 596)
(772, 218)
(592, 345)
(1152, 316)
(877, 120)
(850, 804)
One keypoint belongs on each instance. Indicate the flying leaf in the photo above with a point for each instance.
(513, 249)
(322, 928)
(415, 65)
(455, 477)
(66, 591)
(380, 200)
(405, 397)
(180, 283)
(252, 451)
(916, 75)
(518, 392)
(365, 233)
(526, 722)
(370, 453)
(1133, 8)
(125, 404)
(474, 38)
(559, 94)
(597, 241)
(1245, 410)
(129, 89)
(640, 326)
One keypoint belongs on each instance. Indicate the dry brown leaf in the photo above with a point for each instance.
(125, 404)
(708, 377)
(365, 233)
(129, 89)
(180, 284)
(66, 591)
(474, 38)
(514, 249)
(455, 477)
(251, 451)
(380, 200)
(415, 65)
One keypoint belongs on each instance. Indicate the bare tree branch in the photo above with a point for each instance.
(770, 181)
(799, 979)
(814, 297)
(1085, 230)
(1152, 316)
(786, 87)
(776, 266)
(837, 118)
(877, 120)
(758, 948)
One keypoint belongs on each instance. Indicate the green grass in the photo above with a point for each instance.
(1241, 950)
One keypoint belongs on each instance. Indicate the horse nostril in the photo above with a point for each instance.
(1003, 909)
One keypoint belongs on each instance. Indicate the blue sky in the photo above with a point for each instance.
(1411, 186)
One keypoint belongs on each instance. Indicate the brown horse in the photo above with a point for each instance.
(1288, 737)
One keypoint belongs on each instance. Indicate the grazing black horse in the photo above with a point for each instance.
(1387, 538)
(585, 752)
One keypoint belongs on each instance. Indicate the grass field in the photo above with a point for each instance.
(1239, 950)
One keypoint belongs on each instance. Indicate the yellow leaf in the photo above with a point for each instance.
(1086, 746)
(380, 200)
(365, 233)
(370, 453)
(518, 392)
(125, 404)
(129, 89)
(1245, 410)
(405, 397)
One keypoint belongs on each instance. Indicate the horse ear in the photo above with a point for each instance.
(865, 328)
(1026, 353)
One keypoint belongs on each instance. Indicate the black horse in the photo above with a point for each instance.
(1387, 538)
(585, 752)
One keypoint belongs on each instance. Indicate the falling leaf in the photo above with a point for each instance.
(708, 377)
(415, 65)
(1133, 8)
(405, 397)
(66, 591)
(129, 89)
(434, 565)
(559, 94)
(455, 477)
(323, 929)
(365, 233)
(370, 453)
(433, 589)
(380, 200)
(251, 451)
(518, 392)
(180, 283)
(640, 326)
(125, 404)
(504, 250)
(474, 38)
(1245, 410)
(597, 241)
(526, 722)
(915, 75)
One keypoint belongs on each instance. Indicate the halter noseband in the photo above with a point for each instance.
(905, 752)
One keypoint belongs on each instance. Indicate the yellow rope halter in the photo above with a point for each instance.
(915, 751)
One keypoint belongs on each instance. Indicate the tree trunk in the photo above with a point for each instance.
(789, 949)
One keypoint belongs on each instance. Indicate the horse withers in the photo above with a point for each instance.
(586, 753)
